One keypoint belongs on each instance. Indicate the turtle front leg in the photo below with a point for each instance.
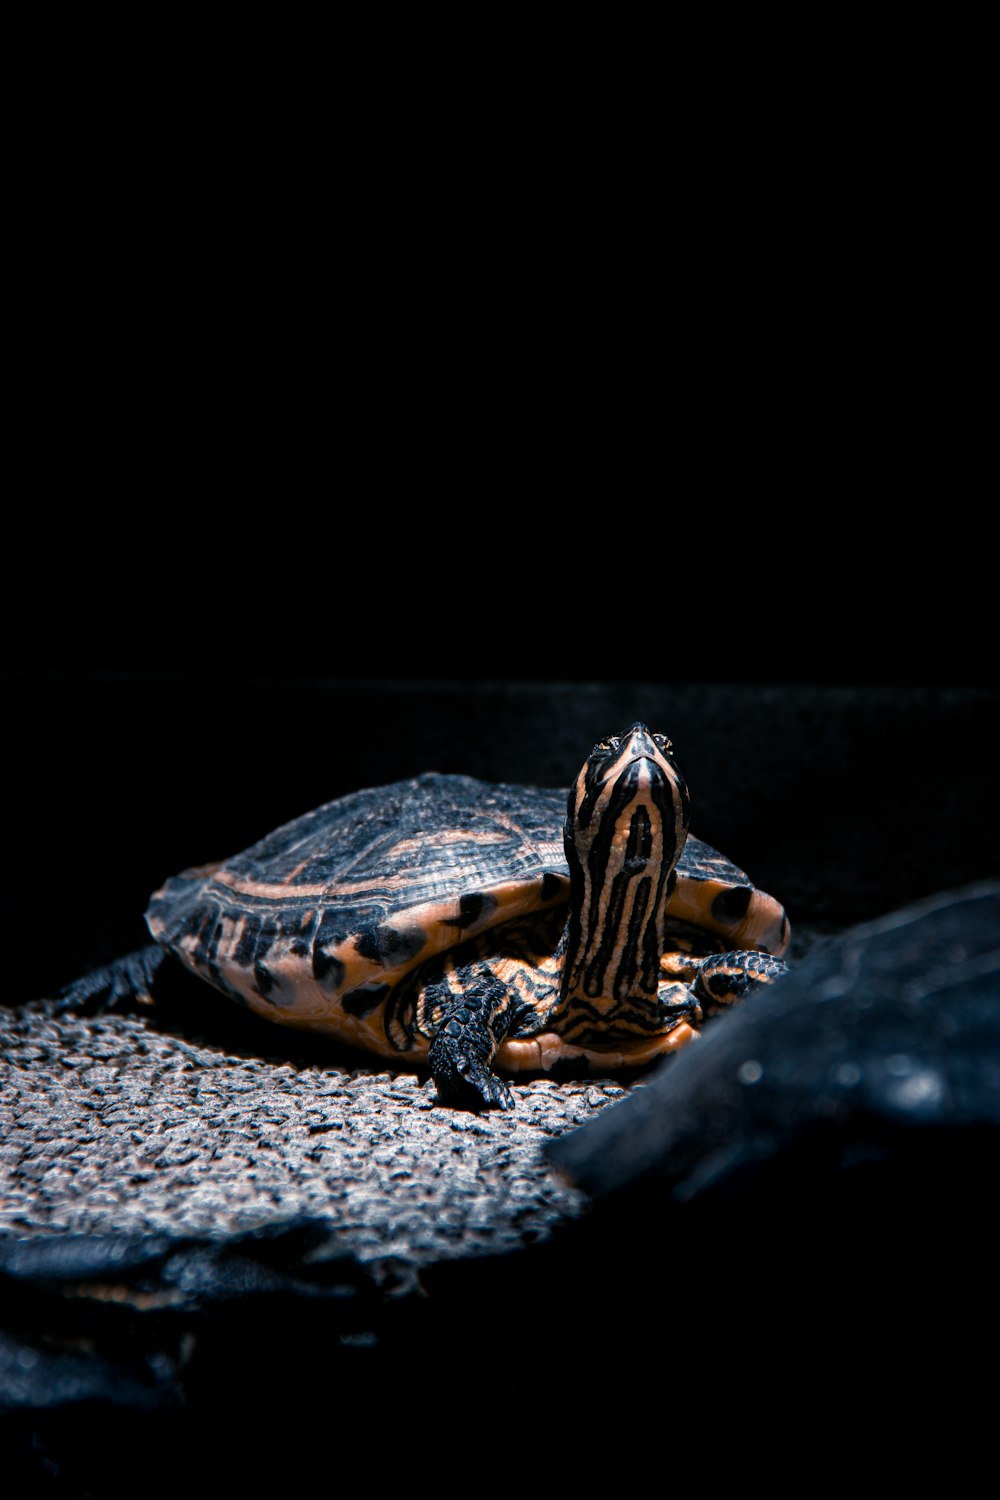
(469, 1026)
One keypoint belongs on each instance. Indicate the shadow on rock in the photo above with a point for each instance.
(818, 1174)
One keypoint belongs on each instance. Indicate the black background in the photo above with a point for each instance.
(266, 545)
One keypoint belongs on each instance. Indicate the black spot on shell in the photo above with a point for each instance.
(389, 945)
(366, 941)
(472, 907)
(365, 999)
(296, 928)
(267, 937)
(245, 949)
(264, 934)
(328, 970)
(732, 904)
(208, 933)
(551, 885)
(397, 946)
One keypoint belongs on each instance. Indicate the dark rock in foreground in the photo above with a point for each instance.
(820, 1171)
(889, 1031)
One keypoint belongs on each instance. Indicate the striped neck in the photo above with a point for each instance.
(625, 830)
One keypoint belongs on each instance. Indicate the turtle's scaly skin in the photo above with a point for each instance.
(372, 917)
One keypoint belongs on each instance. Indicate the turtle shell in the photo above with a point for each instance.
(317, 923)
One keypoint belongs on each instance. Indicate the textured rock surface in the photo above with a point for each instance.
(113, 1124)
(192, 1201)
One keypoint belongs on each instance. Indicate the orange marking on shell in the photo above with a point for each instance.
(446, 836)
(764, 927)
(278, 890)
(543, 1052)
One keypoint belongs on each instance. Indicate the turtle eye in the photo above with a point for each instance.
(662, 741)
(607, 746)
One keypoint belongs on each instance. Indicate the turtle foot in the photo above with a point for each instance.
(115, 986)
(463, 1081)
(465, 1044)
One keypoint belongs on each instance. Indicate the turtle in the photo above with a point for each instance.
(480, 928)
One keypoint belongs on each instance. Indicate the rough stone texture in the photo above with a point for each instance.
(190, 1199)
(113, 1124)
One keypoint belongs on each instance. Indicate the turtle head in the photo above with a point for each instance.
(629, 770)
(626, 824)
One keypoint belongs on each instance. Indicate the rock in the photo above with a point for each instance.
(813, 1184)
(882, 1042)
(202, 1219)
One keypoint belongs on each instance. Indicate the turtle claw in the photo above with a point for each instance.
(117, 985)
(463, 1081)
(485, 1090)
(495, 1092)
